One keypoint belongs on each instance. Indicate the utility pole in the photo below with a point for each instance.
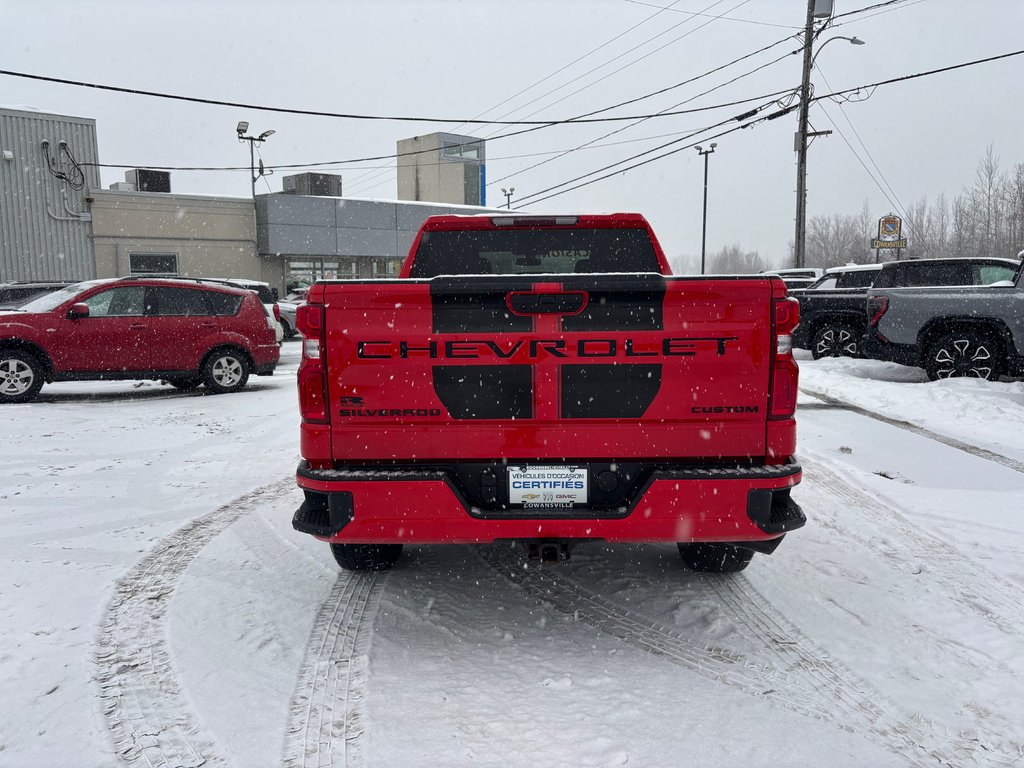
(508, 196)
(801, 141)
(704, 227)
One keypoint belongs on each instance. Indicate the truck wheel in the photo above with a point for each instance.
(715, 558)
(964, 353)
(21, 376)
(366, 557)
(836, 339)
(226, 370)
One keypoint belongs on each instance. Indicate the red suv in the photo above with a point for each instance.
(185, 332)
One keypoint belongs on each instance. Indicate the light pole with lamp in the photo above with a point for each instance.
(704, 228)
(242, 127)
(810, 55)
(508, 196)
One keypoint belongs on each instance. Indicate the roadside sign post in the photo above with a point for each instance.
(890, 235)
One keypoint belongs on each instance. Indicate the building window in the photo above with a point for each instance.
(468, 151)
(386, 267)
(153, 263)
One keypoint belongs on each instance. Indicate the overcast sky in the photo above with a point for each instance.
(455, 60)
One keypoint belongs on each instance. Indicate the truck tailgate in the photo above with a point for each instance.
(571, 366)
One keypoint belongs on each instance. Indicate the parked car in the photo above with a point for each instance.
(797, 278)
(17, 293)
(832, 322)
(185, 332)
(267, 294)
(976, 330)
(288, 310)
(918, 273)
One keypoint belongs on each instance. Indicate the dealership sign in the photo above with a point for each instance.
(890, 229)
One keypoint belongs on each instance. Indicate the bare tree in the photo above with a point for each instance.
(733, 260)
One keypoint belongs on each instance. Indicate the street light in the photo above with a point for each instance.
(704, 228)
(240, 129)
(508, 196)
(810, 55)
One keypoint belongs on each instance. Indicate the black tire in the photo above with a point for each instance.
(366, 557)
(964, 353)
(185, 383)
(21, 376)
(289, 332)
(225, 370)
(715, 558)
(836, 339)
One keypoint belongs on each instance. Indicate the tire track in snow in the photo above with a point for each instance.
(899, 541)
(326, 713)
(792, 647)
(146, 709)
(973, 450)
(802, 678)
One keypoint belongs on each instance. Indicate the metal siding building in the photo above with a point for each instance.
(45, 225)
(318, 237)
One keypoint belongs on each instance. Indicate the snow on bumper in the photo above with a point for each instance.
(728, 504)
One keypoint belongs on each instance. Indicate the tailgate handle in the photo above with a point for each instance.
(546, 302)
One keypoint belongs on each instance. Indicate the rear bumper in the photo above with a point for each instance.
(430, 506)
(265, 358)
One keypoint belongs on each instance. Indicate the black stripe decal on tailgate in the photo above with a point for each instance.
(485, 391)
(608, 391)
(617, 302)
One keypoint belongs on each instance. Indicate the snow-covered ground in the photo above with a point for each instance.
(157, 609)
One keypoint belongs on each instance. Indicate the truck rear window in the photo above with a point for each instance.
(534, 252)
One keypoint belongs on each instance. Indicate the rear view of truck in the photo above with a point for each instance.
(547, 380)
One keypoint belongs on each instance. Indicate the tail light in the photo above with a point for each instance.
(277, 312)
(877, 306)
(312, 376)
(782, 388)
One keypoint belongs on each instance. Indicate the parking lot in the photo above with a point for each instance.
(152, 585)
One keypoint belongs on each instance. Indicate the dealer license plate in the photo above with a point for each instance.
(547, 487)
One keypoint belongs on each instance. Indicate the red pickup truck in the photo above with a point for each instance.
(546, 379)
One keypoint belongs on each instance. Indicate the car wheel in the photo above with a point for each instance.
(964, 353)
(366, 557)
(21, 376)
(715, 558)
(226, 370)
(289, 332)
(836, 340)
(185, 383)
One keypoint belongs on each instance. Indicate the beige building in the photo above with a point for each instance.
(443, 168)
(190, 235)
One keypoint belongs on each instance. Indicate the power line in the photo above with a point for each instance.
(372, 158)
(710, 90)
(626, 66)
(523, 200)
(723, 17)
(340, 115)
(772, 116)
(571, 63)
(648, 161)
(928, 73)
(879, 13)
(863, 145)
(606, 63)
(868, 8)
